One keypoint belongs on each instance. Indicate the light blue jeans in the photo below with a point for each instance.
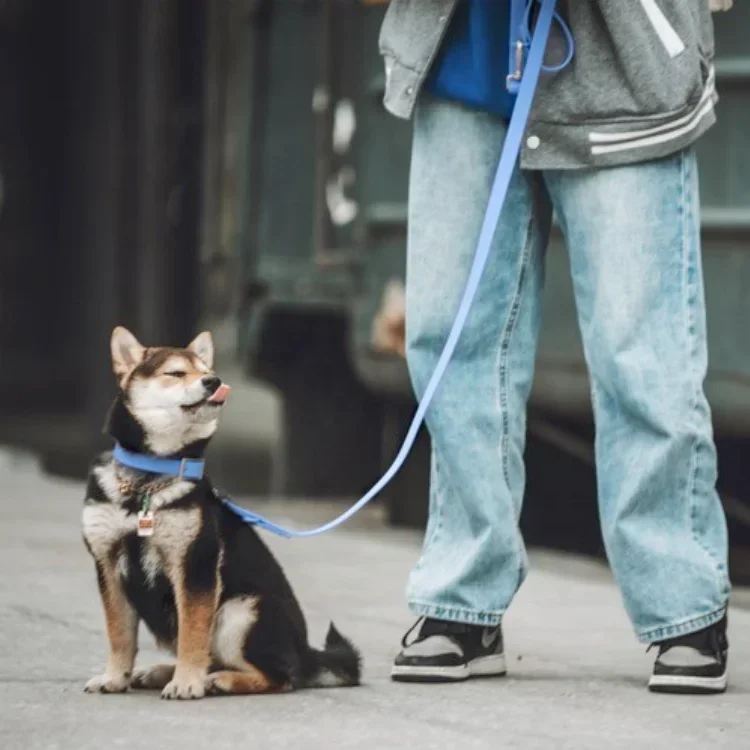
(634, 245)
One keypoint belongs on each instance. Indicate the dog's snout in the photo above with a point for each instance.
(211, 383)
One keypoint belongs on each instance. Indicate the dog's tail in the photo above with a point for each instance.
(339, 664)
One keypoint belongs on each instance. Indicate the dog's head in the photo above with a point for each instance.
(169, 399)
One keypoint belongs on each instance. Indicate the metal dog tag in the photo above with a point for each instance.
(145, 523)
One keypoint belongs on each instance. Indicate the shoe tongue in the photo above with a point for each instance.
(704, 641)
(442, 627)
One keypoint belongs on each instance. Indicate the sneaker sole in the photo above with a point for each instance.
(484, 666)
(687, 685)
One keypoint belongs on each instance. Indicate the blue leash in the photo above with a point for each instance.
(512, 148)
(526, 87)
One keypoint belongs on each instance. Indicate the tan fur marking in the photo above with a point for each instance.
(122, 632)
(173, 534)
(195, 616)
(251, 681)
(194, 622)
(193, 369)
(121, 620)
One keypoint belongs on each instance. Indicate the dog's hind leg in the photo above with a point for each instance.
(249, 681)
(153, 678)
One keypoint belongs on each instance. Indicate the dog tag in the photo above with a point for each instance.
(145, 523)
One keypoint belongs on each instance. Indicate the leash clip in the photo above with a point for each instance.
(513, 79)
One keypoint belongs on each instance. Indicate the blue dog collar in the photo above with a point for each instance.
(183, 468)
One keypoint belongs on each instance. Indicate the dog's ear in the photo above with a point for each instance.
(126, 351)
(203, 346)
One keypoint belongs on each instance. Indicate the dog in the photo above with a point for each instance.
(168, 552)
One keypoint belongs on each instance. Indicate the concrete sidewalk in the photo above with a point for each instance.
(576, 674)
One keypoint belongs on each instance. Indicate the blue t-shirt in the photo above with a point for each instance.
(472, 64)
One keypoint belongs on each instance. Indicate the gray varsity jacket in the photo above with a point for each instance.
(640, 86)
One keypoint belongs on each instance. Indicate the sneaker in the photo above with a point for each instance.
(694, 663)
(449, 651)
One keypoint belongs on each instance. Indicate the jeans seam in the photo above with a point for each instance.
(435, 525)
(506, 338)
(690, 339)
(689, 260)
(503, 372)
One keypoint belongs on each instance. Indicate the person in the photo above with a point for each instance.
(610, 148)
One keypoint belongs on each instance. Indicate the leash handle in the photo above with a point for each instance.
(500, 185)
(520, 40)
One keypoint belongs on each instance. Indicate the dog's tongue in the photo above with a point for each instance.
(219, 396)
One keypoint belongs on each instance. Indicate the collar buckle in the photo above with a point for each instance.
(190, 469)
(183, 469)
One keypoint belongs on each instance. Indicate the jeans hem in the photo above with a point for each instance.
(455, 614)
(683, 627)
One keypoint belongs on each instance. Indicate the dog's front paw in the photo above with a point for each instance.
(185, 687)
(107, 683)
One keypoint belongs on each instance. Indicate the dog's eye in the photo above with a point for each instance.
(176, 374)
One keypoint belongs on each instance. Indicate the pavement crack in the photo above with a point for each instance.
(39, 680)
(45, 617)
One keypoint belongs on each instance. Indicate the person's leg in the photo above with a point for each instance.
(633, 235)
(473, 559)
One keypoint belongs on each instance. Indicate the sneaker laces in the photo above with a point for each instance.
(404, 640)
(433, 627)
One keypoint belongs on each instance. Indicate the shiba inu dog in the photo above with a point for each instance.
(168, 552)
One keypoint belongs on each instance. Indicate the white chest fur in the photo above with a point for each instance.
(106, 523)
(170, 494)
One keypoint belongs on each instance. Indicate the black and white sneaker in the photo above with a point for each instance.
(448, 652)
(694, 663)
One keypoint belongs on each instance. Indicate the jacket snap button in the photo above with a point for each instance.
(533, 142)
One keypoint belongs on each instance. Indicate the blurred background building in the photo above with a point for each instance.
(173, 165)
